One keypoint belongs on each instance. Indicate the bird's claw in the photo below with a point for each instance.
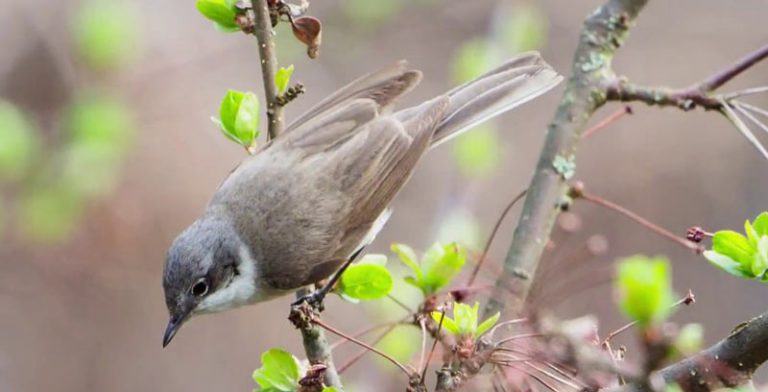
(313, 299)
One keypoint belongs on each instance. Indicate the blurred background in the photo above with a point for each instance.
(107, 152)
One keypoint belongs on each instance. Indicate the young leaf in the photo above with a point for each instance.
(408, 257)
(366, 281)
(283, 78)
(726, 263)
(761, 224)
(760, 258)
(448, 323)
(247, 120)
(221, 12)
(239, 117)
(440, 265)
(465, 318)
(486, 325)
(734, 245)
(279, 371)
(644, 287)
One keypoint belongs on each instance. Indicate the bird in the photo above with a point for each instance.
(308, 201)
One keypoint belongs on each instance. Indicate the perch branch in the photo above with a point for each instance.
(604, 31)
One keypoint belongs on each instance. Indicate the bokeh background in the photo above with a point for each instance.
(107, 152)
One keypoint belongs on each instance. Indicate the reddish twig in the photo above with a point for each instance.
(612, 118)
(493, 234)
(687, 300)
(360, 354)
(434, 345)
(578, 192)
(384, 355)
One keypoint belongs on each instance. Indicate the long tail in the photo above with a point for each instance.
(517, 81)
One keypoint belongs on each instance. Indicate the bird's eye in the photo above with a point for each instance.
(200, 288)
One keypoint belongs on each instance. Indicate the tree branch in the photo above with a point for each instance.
(268, 56)
(729, 363)
(603, 34)
(620, 89)
(313, 338)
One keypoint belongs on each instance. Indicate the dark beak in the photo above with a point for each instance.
(170, 330)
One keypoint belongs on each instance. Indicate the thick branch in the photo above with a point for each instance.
(604, 32)
(268, 56)
(729, 363)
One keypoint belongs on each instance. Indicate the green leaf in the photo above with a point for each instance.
(239, 117)
(761, 224)
(726, 263)
(19, 141)
(221, 12)
(440, 265)
(366, 281)
(734, 245)
(408, 257)
(330, 389)
(106, 33)
(760, 258)
(279, 370)
(283, 78)
(466, 318)
(449, 324)
(486, 325)
(645, 291)
(751, 234)
(247, 120)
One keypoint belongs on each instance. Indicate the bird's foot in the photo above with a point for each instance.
(313, 299)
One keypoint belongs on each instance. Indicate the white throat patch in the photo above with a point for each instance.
(240, 290)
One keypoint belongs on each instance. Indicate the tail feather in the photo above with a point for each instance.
(515, 82)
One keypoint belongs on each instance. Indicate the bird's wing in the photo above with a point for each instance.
(382, 87)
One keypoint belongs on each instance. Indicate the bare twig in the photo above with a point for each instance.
(493, 234)
(360, 354)
(434, 345)
(268, 55)
(612, 118)
(578, 192)
(408, 372)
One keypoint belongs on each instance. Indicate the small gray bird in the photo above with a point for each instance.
(295, 211)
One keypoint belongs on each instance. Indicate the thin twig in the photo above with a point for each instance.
(612, 118)
(687, 300)
(434, 345)
(518, 337)
(368, 330)
(401, 304)
(745, 93)
(743, 64)
(743, 128)
(423, 344)
(493, 234)
(505, 323)
(364, 345)
(552, 376)
(579, 192)
(268, 56)
(360, 354)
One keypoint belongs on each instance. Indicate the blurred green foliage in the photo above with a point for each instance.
(478, 153)
(459, 224)
(106, 33)
(56, 178)
(645, 289)
(19, 142)
(524, 27)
